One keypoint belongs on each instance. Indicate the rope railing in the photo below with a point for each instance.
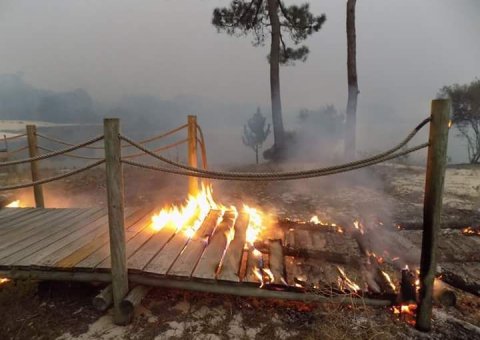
(71, 155)
(145, 141)
(274, 176)
(14, 137)
(284, 175)
(51, 179)
(52, 154)
(23, 148)
(162, 148)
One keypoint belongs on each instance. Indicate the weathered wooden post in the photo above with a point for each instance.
(432, 208)
(192, 153)
(114, 177)
(33, 152)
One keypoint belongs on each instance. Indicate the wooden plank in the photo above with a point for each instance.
(276, 262)
(57, 241)
(22, 220)
(71, 259)
(230, 267)
(165, 259)
(188, 259)
(50, 224)
(149, 249)
(254, 264)
(135, 236)
(8, 214)
(38, 225)
(212, 256)
(30, 246)
(81, 242)
(292, 271)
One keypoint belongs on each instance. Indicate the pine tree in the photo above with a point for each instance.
(273, 18)
(255, 133)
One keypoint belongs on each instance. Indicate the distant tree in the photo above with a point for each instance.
(466, 114)
(326, 122)
(262, 17)
(351, 118)
(255, 133)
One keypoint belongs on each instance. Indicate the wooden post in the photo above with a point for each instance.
(192, 153)
(33, 152)
(114, 177)
(432, 208)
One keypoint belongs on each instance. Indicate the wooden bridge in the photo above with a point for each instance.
(119, 245)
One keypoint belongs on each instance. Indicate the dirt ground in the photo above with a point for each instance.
(390, 193)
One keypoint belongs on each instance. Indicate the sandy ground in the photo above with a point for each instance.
(387, 192)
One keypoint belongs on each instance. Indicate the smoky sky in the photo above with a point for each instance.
(406, 50)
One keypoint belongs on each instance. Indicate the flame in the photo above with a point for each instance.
(3, 280)
(345, 282)
(269, 274)
(450, 123)
(389, 280)
(189, 217)
(14, 204)
(471, 231)
(406, 312)
(259, 275)
(316, 220)
(255, 223)
(358, 226)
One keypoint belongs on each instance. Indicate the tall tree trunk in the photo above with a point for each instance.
(256, 153)
(351, 119)
(278, 130)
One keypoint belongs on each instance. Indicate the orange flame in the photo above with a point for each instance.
(189, 217)
(14, 204)
(3, 280)
(345, 282)
(389, 280)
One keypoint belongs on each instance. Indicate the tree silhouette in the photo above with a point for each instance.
(271, 17)
(466, 114)
(255, 133)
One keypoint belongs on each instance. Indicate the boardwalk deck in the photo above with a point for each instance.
(74, 244)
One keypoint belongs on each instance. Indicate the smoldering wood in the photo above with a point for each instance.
(276, 262)
(103, 300)
(407, 286)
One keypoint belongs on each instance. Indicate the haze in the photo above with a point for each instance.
(407, 50)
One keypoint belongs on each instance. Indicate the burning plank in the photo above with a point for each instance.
(188, 259)
(212, 256)
(229, 270)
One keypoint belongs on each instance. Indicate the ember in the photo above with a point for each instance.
(406, 312)
(471, 231)
(3, 280)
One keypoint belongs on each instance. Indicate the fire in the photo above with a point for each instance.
(358, 226)
(14, 204)
(189, 217)
(471, 231)
(316, 220)
(255, 224)
(3, 280)
(406, 312)
(450, 123)
(389, 280)
(345, 282)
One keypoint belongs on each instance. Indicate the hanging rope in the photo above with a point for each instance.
(71, 155)
(275, 176)
(15, 137)
(51, 179)
(145, 141)
(162, 148)
(52, 154)
(293, 174)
